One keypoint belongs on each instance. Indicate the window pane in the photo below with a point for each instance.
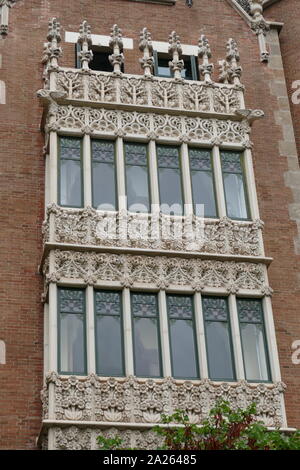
(253, 339)
(202, 182)
(100, 60)
(169, 176)
(72, 331)
(137, 177)
(109, 341)
(218, 339)
(70, 184)
(145, 335)
(234, 185)
(163, 69)
(182, 337)
(104, 179)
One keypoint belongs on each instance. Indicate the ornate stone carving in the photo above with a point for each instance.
(73, 438)
(150, 231)
(116, 43)
(155, 125)
(85, 40)
(176, 65)
(160, 271)
(151, 91)
(145, 45)
(133, 400)
(260, 27)
(205, 69)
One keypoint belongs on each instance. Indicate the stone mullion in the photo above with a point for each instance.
(186, 179)
(236, 338)
(271, 339)
(128, 339)
(87, 170)
(153, 178)
(200, 333)
(90, 331)
(120, 163)
(164, 334)
(218, 177)
(252, 195)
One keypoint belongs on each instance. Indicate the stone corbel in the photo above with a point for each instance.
(5, 5)
(250, 115)
(48, 99)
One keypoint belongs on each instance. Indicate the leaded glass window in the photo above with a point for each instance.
(234, 185)
(182, 337)
(253, 339)
(70, 172)
(103, 175)
(218, 338)
(71, 320)
(169, 176)
(145, 317)
(109, 337)
(137, 179)
(202, 182)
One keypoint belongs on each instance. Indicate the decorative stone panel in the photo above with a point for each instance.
(137, 90)
(160, 271)
(154, 126)
(149, 231)
(135, 401)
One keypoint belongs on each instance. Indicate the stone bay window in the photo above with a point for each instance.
(156, 288)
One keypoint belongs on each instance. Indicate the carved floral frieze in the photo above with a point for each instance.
(152, 231)
(137, 90)
(133, 400)
(153, 126)
(159, 271)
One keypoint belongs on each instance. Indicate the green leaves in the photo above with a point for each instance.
(223, 429)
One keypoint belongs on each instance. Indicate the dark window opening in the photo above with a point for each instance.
(162, 69)
(100, 59)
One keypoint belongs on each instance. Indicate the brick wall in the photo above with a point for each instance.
(22, 178)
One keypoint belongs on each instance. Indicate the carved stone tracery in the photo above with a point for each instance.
(132, 400)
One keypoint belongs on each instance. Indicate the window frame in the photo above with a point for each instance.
(85, 329)
(192, 61)
(146, 144)
(210, 150)
(265, 339)
(97, 289)
(230, 334)
(196, 340)
(59, 159)
(180, 168)
(112, 141)
(159, 339)
(245, 184)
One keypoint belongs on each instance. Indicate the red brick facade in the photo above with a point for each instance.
(22, 174)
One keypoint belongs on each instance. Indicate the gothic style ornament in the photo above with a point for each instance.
(176, 65)
(205, 69)
(85, 40)
(116, 43)
(260, 27)
(146, 47)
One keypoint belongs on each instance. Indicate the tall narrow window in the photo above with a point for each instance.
(104, 178)
(202, 182)
(218, 338)
(70, 172)
(108, 328)
(71, 321)
(253, 339)
(137, 183)
(169, 175)
(182, 337)
(147, 357)
(234, 185)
